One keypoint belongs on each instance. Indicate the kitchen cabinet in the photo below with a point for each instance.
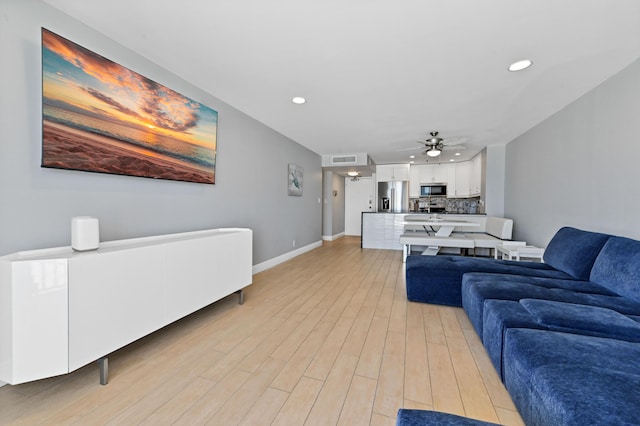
(414, 181)
(468, 179)
(429, 173)
(463, 179)
(382, 230)
(476, 176)
(434, 173)
(451, 181)
(392, 172)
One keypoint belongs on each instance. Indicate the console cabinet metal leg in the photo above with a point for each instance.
(103, 363)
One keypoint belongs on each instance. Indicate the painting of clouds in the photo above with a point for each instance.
(99, 116)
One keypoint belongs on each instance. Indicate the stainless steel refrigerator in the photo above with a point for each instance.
(393, 197)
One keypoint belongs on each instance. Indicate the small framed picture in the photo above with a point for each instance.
(294, 180)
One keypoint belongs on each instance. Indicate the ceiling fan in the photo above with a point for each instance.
(435, 144)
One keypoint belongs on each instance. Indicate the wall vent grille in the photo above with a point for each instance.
(344, 159)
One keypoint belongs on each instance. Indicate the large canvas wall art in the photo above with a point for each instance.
(99, 116)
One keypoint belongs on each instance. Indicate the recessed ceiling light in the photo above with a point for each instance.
(520, 65)
(457, 153)
(352, 173)
(298, 100)
(411, 162)
(452, 160)
(412, 156)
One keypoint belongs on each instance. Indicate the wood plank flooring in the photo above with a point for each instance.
(327, 338)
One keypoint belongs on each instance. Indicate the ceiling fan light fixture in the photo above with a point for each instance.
(520, 65)
(433, 152)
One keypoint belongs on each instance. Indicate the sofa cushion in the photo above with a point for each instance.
(568, 379)
(501, 315)
(617, 267)
(475, 294)
(574, 251)
(477, 288)
(571, 317)
(566, 284)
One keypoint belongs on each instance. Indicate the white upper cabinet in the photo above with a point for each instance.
(392, 172)
(451, 181)
(414, 181)
(434, 173)
(468, 179)
(476, 176)
(430, 173)
(463, 179)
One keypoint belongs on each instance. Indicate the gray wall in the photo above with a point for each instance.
(36, 204)
(338, 205)
(333, 209)
(493, 179)
(580, 167)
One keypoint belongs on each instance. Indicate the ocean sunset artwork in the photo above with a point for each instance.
(99, 116)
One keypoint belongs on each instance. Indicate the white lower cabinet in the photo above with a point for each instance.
(60, 309)
(373, 230)
(382, 230)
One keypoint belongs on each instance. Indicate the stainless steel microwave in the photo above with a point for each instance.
(434, 189)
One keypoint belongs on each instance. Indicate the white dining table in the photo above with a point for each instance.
(445, 226)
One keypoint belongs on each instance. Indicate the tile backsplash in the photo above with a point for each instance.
(465, 205)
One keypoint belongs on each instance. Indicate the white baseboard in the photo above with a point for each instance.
(283, 258)
(332, 237)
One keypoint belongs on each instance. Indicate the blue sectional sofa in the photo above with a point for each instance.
(564, 336)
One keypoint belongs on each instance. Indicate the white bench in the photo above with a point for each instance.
(491, 231)
(433, 243)
(496, 231)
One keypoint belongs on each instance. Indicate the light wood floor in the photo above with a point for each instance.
(326, 338)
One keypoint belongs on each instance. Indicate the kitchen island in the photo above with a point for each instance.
(383, 230)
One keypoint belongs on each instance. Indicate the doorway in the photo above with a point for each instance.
(358, 196)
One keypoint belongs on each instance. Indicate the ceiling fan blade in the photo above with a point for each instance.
(454, 147)
(454, 140)
(411, 149)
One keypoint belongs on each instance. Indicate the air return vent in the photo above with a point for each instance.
(348, 159)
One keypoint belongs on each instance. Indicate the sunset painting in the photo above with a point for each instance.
(99, 116)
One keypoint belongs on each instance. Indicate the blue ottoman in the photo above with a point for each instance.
(438, 279)
(424, 417)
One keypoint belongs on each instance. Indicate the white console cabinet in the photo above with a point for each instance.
(60, 309)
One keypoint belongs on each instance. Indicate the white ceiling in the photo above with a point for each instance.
(378, 75)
